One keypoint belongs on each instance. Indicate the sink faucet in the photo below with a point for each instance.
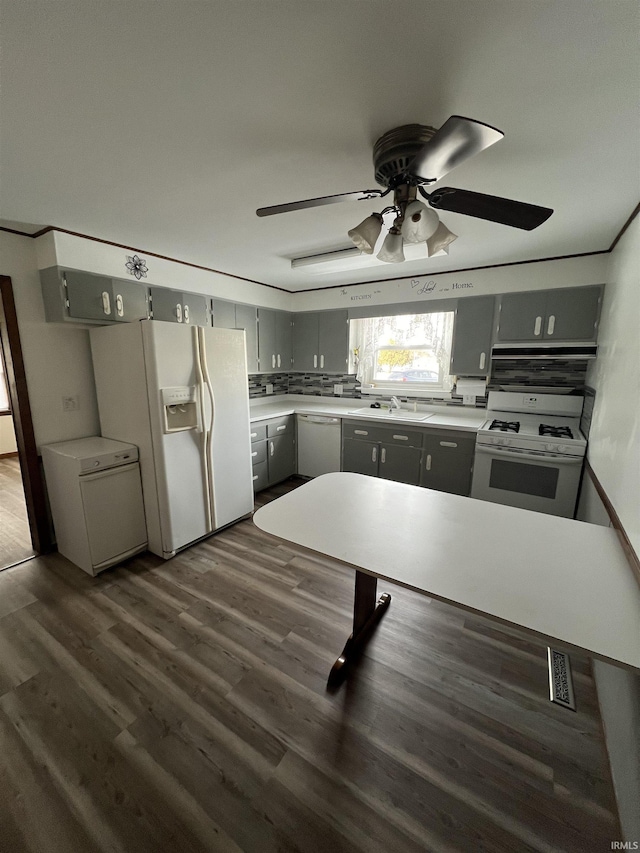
(395, 403)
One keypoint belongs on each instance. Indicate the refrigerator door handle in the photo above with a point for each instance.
(201, 428)
(209, 429)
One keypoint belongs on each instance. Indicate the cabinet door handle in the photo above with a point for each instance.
(185, 314)
(537, 326)
(279, 362)
(273, 361)
(119, 305)
(255, 476)
(315, 360)
(374, 454)
(448, 444)
(321, 361)
(271, 448)
(383, 455)
(106, 303)
(179, 312)
(428, 461)
(483, 358)
(254, 435)
(401, 437)
(360, 432)
(281, 427)
(551, 324)
(255, 453)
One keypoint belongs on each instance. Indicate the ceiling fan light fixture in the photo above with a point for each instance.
(419, 223)
(365, 235)
(440, 240)
(391, 251)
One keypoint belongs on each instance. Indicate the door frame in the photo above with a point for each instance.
(32, 479)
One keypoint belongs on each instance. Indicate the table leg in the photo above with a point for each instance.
(367, 612)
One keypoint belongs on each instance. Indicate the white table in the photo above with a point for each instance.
(566, 581)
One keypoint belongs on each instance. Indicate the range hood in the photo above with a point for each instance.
(571, 350)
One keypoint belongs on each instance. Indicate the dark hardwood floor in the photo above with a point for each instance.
(181, 706)
(15, 537)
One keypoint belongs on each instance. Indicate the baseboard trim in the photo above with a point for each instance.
(632, 557)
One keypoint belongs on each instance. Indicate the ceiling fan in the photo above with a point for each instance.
(413, 156)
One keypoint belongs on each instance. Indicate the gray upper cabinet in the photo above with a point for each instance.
(80, 297)
(231, 315)
(570, 314)
(224, 314)
(247, 319)
(274, 340)
(321, 341)
(173, 306)
(472, 333)
(284, 339)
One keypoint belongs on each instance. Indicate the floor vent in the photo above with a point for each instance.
(560, 681)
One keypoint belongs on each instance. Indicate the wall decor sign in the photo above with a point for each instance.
(136, 266)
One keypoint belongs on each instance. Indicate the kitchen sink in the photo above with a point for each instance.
(392, 414)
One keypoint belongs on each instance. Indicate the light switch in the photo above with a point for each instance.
(338, 389)
(268, 388)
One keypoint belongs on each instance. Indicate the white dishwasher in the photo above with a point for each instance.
(95, 495)
(318, 445)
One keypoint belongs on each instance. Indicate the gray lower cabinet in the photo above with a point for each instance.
(570, 314)
(273, 452)
(447, 461)
(380, 451)
(437, 459)
(472, 334)
(173, 306)
(321, 341)
(80, 297)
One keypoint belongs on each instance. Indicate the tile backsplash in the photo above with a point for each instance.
(548, 372)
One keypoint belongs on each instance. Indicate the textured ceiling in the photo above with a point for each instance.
(164, 125)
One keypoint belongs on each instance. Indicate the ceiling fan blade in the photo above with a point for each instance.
(361, 195)
(517, 214)
(458, 139)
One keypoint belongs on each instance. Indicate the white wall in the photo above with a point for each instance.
(614, 440)
(101, 258)
(619, 699)
(541, 275)
(57, 358)
(7, 435)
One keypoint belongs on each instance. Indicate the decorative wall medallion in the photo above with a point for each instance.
(136, 266)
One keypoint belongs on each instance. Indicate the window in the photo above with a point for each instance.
(407, 352)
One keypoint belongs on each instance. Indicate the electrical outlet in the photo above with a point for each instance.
(468, 399)
(268, 388)
(338, 389)
(70, 403)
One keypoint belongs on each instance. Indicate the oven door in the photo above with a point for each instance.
(541, 481)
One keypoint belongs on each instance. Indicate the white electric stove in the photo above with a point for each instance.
(530, 451)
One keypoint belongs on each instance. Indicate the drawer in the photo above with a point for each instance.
(389, 434)
(260, 476)
(280, 426)
(258, 452)
(258, 432)
(362, 430)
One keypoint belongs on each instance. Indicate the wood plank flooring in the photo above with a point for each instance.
(181, 706)
(15, 537)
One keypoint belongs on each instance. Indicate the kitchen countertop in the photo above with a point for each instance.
(453, 417)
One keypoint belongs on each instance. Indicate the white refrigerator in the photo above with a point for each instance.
(180, 394)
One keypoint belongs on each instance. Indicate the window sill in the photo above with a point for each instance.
(405, 391)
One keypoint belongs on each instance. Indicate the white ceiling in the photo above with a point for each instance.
(164, 125)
